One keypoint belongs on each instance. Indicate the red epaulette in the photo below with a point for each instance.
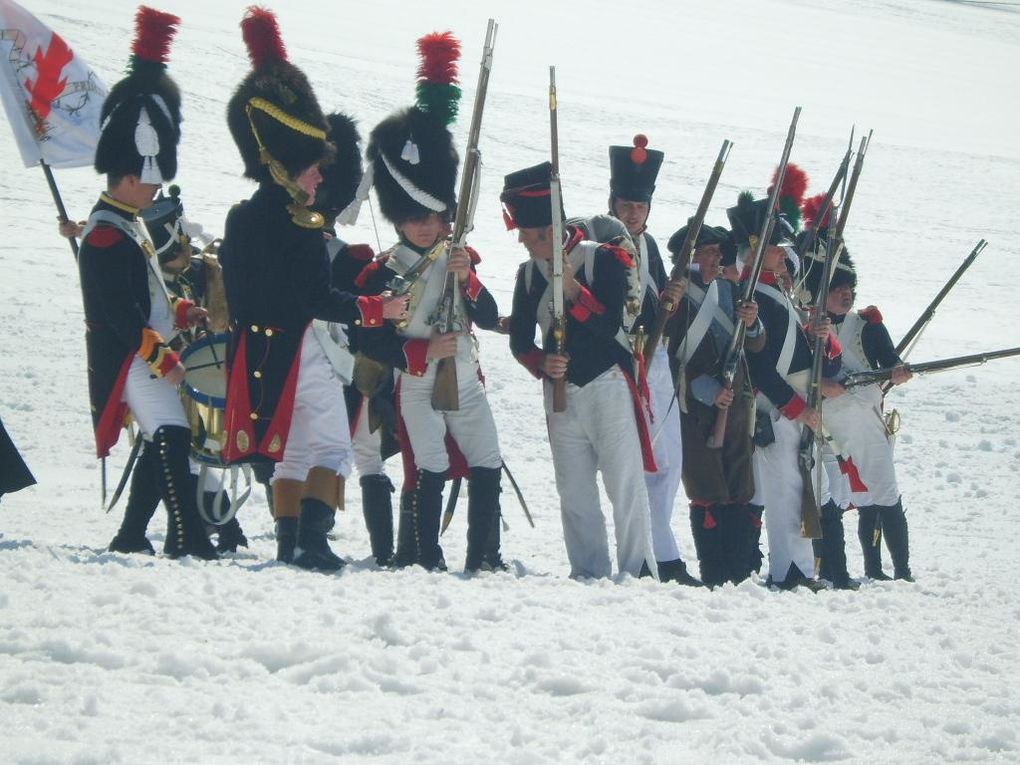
(620, 254)
(475, 257)
(104, 236)
(362, 252)
(871, 314)
(369, 271)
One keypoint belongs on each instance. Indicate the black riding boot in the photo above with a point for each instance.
(831, 549)
(407, 548)
(185, 529)
(312, 550)
(377, 506)
(752, 554)
(286, 538)
(870, 547)
(143, 499)
(483, 533)
(676, 571)
(425, 513)
(229, 536)
(894, 525)
(708, 544)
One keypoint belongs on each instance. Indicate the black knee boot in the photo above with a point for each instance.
(894, 526)
(831, 548)
(406, 553)
(483, 532)
(426, 511)
(377, 506)
(870, 547)
(708, 545)
(143, 499)
(185, 529)
(286, 538)
(752, 555)
(312, 550)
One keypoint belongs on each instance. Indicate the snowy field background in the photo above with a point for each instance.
(108, 658)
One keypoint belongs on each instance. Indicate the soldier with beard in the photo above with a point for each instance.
(719, 481)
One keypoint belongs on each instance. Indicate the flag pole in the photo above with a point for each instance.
(61, 211)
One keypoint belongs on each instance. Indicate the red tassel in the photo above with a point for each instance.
(709, 520)
(439, 53)
(154, 31)
(261, 34)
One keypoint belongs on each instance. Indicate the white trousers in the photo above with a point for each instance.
(153, 401)
(472, 425)
(597, 432)
(367, 445)
(781, 486)
(855, 422)
(839, 484)
(319, 433)
(662, 485)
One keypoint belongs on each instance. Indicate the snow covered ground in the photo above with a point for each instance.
(107, 658)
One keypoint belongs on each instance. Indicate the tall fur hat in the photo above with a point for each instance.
(140, 121)
(633, 170)
(812, 243)
(413, 159)
(274, 104)
(341, 178)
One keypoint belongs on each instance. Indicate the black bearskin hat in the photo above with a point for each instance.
(748, 216)
(165, 221)
(274, 104)
(526, 198)
(341, 178)
(814, 240)
(414, 162)
(633, 170)
(140, 121)
(707, 236)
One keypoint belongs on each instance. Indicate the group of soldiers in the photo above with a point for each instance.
(334, 352)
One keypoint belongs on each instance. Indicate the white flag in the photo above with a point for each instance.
(51, 96)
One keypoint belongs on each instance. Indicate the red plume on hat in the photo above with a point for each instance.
(154, 31)
(437, 90)
(791, 193)
(811, 208)
(262, 37)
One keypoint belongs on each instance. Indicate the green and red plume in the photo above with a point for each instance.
(437, 91)
(791, 193)
(810, 209)
(154, 31)
(261, 34)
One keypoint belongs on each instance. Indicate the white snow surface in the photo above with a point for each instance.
(110, 658)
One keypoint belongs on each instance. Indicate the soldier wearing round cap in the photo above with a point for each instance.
(633, 171)
(605, 427)
(414, 166)
(129, 314)
(283, 397)
(719, 481)
(854, 417)
(780, 372)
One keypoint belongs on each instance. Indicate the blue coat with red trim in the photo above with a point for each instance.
(277, 278)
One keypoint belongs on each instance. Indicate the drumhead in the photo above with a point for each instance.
(205, 378)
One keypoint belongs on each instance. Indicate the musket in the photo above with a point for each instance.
(922, 322)
(559, 317)
(869, 376)
(448, 314)
(683, 256)
(732, 358)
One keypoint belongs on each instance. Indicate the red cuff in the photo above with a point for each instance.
(585, 305)
(532, 361)
(416, 354)
(793, 408)
(181, 308)
(472, 288)
(833, 348)
(371, 311)
(167, 361)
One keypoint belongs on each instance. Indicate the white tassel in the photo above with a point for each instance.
(349, 215)
(147, 146)
(410, 153)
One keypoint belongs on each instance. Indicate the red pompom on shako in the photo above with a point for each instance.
(638, 155)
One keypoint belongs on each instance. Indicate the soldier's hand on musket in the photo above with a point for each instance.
(831, 388)
(554, 365)
(674, 292)
(821, 327)
(724, 398)
(442, 345)
(196, 315)
(459, 263)
(810, 417)
(69, 229)
(900, 374)
(747, 313)
(394, 306)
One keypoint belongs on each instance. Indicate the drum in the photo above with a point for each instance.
(204, 396)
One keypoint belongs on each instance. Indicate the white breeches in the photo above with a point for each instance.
(319, 434)
(152, 400)
(859, 431)
(472, 426)
(597, 432)
(367, 445)
(662, 485)
(781, 486)
(839, 484)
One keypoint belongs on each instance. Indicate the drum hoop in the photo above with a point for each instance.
(201, 397)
